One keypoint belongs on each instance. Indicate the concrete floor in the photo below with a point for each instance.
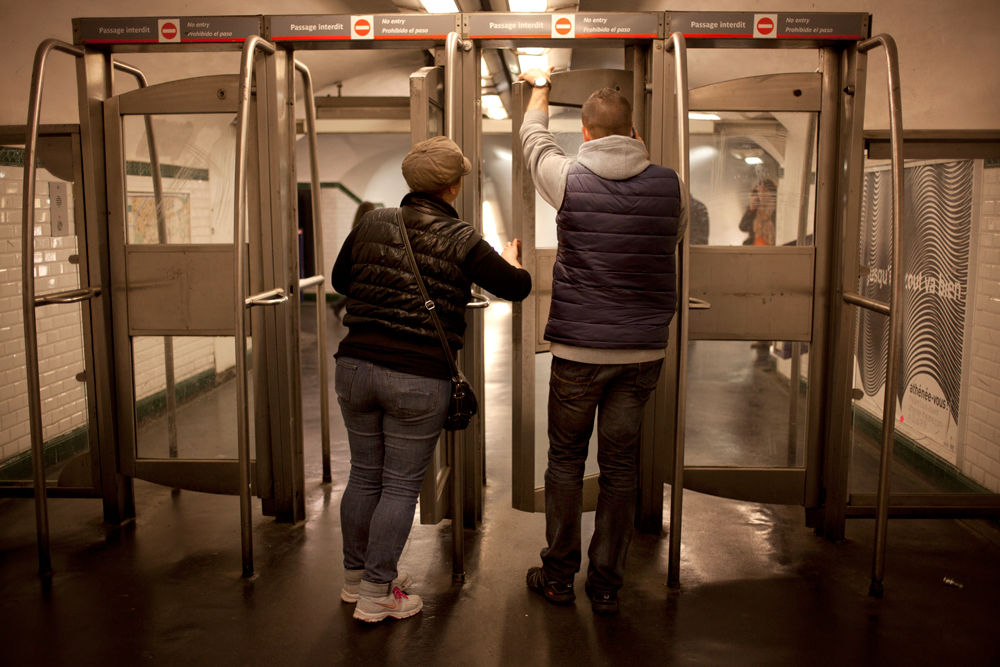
(758, 587)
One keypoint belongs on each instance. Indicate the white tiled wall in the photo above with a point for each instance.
(982, 441)
(338, 214)
(59, 328)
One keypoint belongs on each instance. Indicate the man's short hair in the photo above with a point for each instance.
(607, 112)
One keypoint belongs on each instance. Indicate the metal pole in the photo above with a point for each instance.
(250, 47)
(28, 297)
(454, 443)
(678, 45)
(161, 230)
(457, 507)
(895, 310)
(324, 389)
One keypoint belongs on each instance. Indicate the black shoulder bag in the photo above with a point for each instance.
(463, 404)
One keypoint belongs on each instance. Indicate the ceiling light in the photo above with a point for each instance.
(527, 62)
(518, 6)
(694, 115)
(533, 51)
(497, 114)
(753, 160)
(492, 102)
(440, 6)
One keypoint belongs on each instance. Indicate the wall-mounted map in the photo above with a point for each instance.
(142, 227)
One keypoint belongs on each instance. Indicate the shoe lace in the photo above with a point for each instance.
(398, 594)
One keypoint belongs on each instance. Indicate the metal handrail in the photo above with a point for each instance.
(250, 46)
(269, 298)
(161, 233)
(865, 302)
(311, 281)
(478, 301)
(28, 296)
(451, 46)
(893, 310)
(324, 390)
(678, 44)
(69, 296)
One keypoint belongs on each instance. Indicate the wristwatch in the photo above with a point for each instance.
(541, 82)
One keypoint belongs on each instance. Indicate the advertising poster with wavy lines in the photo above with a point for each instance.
(936, 234)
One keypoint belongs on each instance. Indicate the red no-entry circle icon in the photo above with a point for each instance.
(563, 26)
(169, 31)
(765, 26)
(362, 27)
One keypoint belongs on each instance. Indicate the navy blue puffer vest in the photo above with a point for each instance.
(614, 282)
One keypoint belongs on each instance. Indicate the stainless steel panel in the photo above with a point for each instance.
(426, 111)
(572, 88)
(207, 94)
(362, 107)
(798, 91)
(545, 260)
(759, 485)
(523, 321)
(936, 144)
(760, 293)
(845, 192)
(180, 290)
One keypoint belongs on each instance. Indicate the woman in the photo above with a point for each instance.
(393, 381)
(758, 221)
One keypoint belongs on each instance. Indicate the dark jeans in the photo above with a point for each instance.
(393, 423)
(618, 394)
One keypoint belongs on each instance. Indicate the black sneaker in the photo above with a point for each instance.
(556, 592)
(601, 602)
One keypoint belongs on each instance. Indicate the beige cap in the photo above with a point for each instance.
(434, 164)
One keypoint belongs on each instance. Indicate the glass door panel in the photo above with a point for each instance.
(752, 186)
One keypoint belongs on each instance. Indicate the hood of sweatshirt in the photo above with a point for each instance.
(614, 158)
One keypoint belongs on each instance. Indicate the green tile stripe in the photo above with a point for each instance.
(992, 163)
(14, 157)
(11, 156)
(133, 168)
(58, 450)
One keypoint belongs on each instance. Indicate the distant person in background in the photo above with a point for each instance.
(698, 223)
(364, 207)
(758, 221)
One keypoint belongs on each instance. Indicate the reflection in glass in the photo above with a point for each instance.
(205, 393)
(197, 156)
(752, 178)
(739, 407)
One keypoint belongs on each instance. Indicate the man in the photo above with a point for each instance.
(613, 296)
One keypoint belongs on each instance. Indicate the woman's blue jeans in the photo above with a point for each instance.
(393, 424)
(618, 395)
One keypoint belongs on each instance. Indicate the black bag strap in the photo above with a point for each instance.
(428, 303)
